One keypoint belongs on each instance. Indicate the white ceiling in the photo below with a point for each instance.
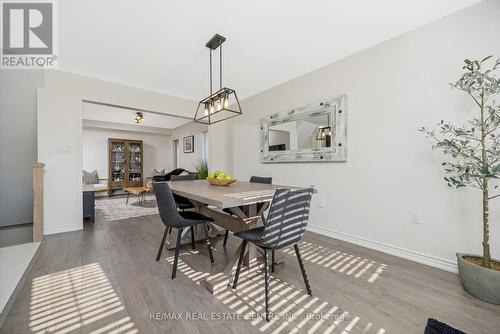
(103, 113)
(159, 44)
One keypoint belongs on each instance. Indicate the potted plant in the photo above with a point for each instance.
(473, 150)
(201, 170)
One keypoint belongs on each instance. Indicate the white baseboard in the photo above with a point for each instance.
(385, 248)
(62, 229)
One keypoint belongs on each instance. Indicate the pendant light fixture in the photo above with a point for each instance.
(325, 133)
(224, 103)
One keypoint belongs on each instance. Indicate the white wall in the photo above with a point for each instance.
(59, 106)
(17, 121)
(157, 150)
(393, 89)
(279, 137)
(187, 160)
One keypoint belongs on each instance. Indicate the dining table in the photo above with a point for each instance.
(246, 201)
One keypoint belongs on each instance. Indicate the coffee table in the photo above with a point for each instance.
(139, 191)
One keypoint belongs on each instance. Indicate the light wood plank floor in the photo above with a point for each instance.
(104, 280)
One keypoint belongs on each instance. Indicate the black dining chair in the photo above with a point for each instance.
(171, 217)
(253, 179)
(284, 226)
(182, 202)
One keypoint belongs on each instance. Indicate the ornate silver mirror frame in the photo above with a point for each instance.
(333, 148)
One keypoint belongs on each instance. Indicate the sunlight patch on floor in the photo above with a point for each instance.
(293, 310)
(338, 261)
(76, 299)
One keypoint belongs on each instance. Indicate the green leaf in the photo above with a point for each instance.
(485, 59)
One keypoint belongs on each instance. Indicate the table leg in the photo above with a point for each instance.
(219, 282)
(237, 222)
(127, 199)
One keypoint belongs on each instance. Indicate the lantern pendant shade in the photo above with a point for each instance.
(219, 106)
(323, 133)
(224, 103)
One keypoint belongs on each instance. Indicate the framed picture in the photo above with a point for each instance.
(188, 144)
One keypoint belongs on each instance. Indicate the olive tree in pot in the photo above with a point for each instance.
(474, 161)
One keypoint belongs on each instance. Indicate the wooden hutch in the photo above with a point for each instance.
(125, 164)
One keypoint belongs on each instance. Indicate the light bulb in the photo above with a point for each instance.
(212, 110)
(226, 102)
(218, 105)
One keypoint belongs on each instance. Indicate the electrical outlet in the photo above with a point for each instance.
(321, 202)
(414, 218)
(64, 149)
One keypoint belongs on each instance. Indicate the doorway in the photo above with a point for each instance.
(175, 153)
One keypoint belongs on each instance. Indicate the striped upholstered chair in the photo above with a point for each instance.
(253, 179)
(285, 225)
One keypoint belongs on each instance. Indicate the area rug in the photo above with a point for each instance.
(115, 208)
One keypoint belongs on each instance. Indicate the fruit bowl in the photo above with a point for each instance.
(221, 182)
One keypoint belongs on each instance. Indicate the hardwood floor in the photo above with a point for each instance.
(104, 280)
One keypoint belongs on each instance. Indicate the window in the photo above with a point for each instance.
(204, 136)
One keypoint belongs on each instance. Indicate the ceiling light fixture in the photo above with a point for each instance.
(139, 117)
(217, 106)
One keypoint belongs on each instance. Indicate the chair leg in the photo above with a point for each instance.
(225, 238)
(240, 261)
(273, 259)
(170, 230)
(266, 283)
(301, 264)
(192, 238)
(127, 199)
(177, 248)
(209, 243)
(158, 256)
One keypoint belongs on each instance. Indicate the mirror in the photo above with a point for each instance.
(313, 133)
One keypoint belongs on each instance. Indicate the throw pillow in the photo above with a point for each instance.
(158, 172)
(90, 177)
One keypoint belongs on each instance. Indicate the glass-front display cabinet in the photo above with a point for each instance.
(125, 164)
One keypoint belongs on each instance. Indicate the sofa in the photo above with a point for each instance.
(91, 179)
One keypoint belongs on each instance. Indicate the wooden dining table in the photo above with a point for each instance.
(242, 199)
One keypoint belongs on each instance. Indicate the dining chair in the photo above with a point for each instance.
(182, 202)
(253, 179)
(173, 218)
(284, 226)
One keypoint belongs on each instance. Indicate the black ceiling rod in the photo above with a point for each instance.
(211, 72)
(220, 67)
